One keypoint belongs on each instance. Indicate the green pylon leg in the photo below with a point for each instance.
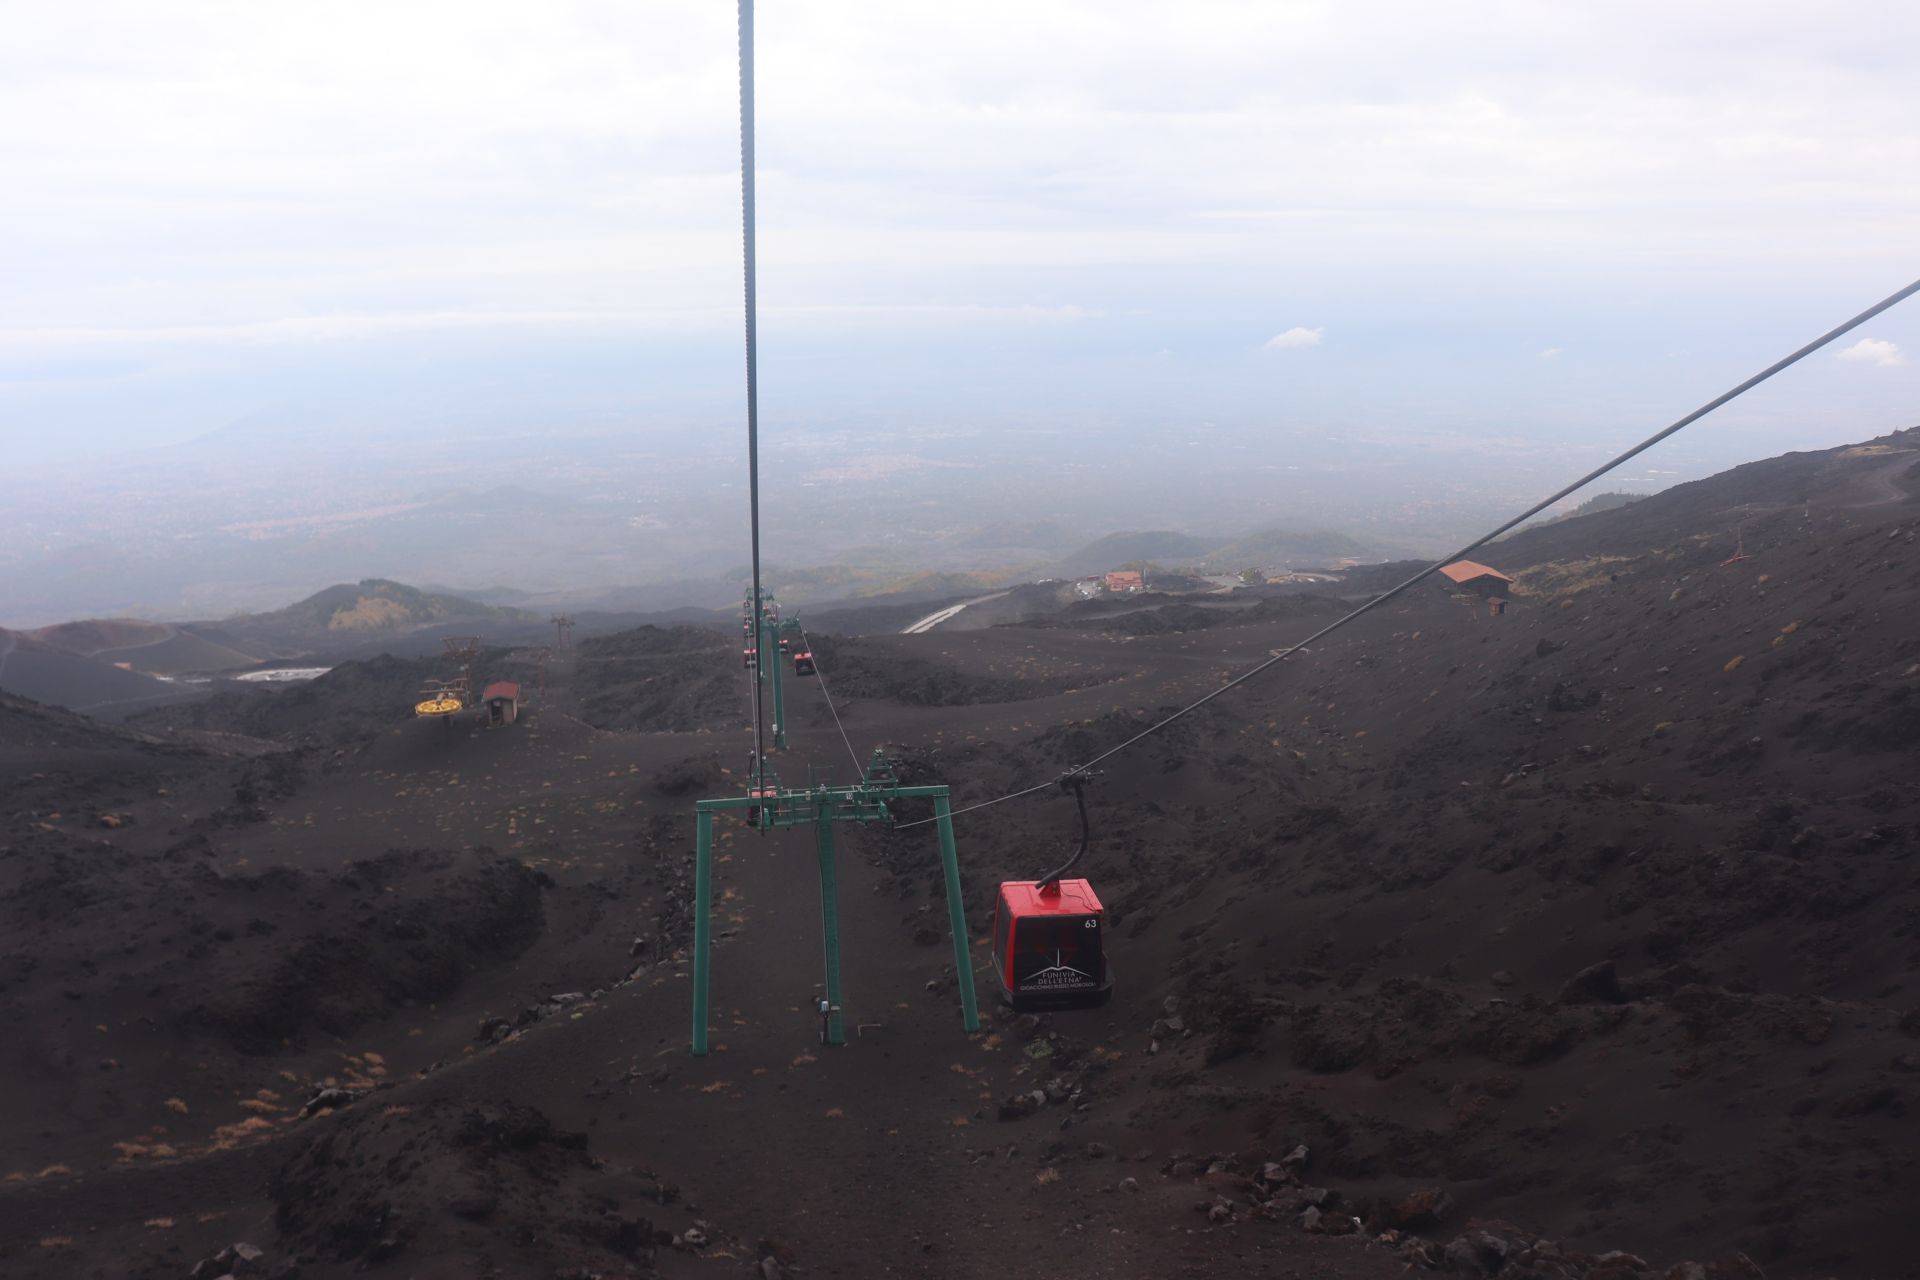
(830, 926)
(956, 914)
(702, 926)
(779, 691)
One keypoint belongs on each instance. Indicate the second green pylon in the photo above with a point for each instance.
(833, 1026)
(821, 807)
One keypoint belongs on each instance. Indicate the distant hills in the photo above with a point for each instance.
(1267, 546)
(113, 666)
(1159, 546)
(368, 606)
(160, 648)
(1591, 507)
(1714, 518)
(32, 668)
(1273, 546)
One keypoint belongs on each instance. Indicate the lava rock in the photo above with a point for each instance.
(476, 1208)
(1595, 984)
(1020, 1105)
(1425, 1208)
(328, 1100)
(1477, 1253)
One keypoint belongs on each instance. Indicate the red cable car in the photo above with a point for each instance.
(1049, 935)
(1049, 949)
(749, 659)
(803, 662)
(769, 793)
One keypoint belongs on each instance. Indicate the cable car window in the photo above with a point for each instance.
(1057, 951)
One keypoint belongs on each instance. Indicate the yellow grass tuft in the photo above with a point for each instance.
(228, 1134)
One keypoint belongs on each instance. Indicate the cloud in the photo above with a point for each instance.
(1551, 353)
(1875, 351)
(265, 176)
(1298, 336)
(347, 327)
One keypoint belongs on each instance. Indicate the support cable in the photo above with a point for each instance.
(753, 372)
(858, 769)
(1076, 783)
(1282, 655)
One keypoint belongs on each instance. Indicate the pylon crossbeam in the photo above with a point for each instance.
(821, 807)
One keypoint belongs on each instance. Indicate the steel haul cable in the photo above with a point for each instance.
(753, 367)
(852, 755)
(1283, 654)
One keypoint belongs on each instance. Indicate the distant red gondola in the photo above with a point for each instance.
(1049, 948)
(749, 659)
(803, 662)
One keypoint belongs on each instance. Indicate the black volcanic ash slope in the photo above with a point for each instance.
(1598, 915)
(1597, 918)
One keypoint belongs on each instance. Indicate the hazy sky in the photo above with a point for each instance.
(1564, 221)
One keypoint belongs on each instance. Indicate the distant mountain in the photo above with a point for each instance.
(371, 616)
(1266, 546)
(1761, 506)
(1277, 545)
(351, 619)
(1882, 472)
(1600, 502)
(36, 736)
(1591, 507)
(90, 635)
(1048, 536)
(157, 648)
(34, 669)
(1161, 546)
(373, 604)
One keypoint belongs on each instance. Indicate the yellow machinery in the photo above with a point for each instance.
(443, 697)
